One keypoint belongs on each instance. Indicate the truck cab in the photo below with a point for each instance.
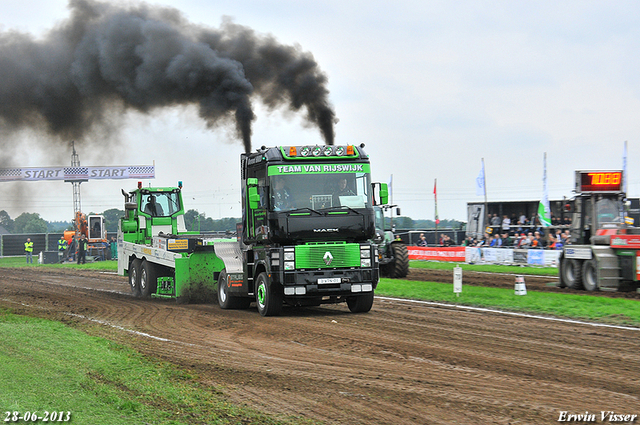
(307, 227)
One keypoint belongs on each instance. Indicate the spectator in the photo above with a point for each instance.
(82, 249)
(495, 220)
(496, 242)
(506, 240)
(447, 240)
(422, 241)
(506, 224)
(113, 245)
(526, 241)
(28, 249)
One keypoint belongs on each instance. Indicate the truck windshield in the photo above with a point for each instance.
(609, 213)
(319, 191)
(160, 204)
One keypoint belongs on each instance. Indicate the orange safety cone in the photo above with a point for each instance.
(520, 288)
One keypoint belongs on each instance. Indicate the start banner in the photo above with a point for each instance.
(455, 253)
(77, 173)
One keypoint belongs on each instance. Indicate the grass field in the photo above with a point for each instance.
(46, 366)
(489, 268)
(620, 311)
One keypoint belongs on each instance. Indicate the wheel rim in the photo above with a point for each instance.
(262, 294)
(143, 280)
(133, 277)
(222, 293)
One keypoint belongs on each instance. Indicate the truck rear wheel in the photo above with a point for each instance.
(148, 279)
(571, 273)
(227, 301)
(361, 303)
(134, 277)
(590, 275)
(268, 298)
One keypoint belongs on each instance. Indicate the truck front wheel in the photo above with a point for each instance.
(227, 301)
(134, 277)
(268, 298)
(361, 303)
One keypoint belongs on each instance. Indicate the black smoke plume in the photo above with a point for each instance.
(105, 59)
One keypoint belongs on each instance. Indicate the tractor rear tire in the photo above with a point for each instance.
(361, 303)
(571, 273)
(401, 263)
(268, 298)
(226, 301)
(134, 277)
(590, 275)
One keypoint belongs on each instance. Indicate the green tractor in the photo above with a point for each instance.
(392, 252)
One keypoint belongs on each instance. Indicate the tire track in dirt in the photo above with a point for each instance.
(401, 363)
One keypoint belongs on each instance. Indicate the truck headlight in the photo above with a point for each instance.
(289, 265)
(365, 262)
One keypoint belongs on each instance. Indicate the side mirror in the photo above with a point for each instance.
(380, 193)
(252, 193)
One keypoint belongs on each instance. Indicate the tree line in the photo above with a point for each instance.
(194, 221)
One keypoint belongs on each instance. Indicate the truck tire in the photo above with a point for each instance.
(571, 273)
(134, 277)
(590, 275)
(361, 303)
(401, 264)
(268, 299)
(148, 279)
(227, 301)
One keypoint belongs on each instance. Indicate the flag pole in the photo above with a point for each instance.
(435, 195)
(486, 204)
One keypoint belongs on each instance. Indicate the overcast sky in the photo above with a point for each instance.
(430, 87)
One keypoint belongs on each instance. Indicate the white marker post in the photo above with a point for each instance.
(457, 280)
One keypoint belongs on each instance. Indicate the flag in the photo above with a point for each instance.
(435, 195)
(480, 189)
(544, 211)
(624, 168)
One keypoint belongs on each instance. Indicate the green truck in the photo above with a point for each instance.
(305, 237)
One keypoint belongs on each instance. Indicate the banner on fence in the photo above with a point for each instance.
(456, 253)
(537, 257)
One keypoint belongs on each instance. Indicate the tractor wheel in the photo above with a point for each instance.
(361, 303)
(227, 301)
(590, 275)
(571, 273)
(268, 298)
(148, 279)
(401, 264)
(134, 277)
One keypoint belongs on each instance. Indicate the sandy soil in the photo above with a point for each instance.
(402, 363)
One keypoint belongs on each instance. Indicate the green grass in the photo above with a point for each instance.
(22, 262)
(490, 268)
(48, 366)
(585, 307)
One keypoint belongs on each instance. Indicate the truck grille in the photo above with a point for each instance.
(314, 255)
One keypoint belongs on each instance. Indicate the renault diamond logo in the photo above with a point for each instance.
(328, 258)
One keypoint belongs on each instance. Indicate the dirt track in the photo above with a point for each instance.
(402, 363)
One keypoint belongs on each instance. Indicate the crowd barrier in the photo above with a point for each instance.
(480, 255)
